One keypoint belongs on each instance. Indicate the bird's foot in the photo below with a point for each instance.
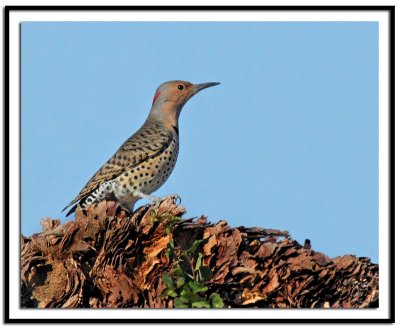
(156, 201)
(175, 198)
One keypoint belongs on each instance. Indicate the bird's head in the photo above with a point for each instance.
(171, 96)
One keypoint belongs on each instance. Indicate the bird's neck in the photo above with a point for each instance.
(166, 113)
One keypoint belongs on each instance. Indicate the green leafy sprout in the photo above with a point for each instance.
(185, 285)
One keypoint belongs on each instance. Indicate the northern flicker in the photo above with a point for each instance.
(144, 162)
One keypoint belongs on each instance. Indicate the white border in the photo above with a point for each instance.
(18, 16)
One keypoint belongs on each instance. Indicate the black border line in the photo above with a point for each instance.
(389, 9)
(392, 163)
(202, 8)
(6, 173)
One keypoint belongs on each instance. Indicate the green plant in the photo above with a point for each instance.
(171, 223)
(161, 217)
(186, 284)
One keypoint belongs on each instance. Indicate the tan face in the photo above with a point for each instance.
(170, 98)
(177, 92)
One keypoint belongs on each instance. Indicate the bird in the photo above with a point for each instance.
(145, 160)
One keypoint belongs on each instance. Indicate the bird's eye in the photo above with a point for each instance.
(181, 87)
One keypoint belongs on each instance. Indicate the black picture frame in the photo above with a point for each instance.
(6, 240)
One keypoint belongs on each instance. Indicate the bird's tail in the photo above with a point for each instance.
(70, 204)
(71, 210)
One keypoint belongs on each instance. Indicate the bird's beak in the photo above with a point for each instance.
(202, 86)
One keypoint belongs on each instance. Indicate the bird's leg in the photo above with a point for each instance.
(175, 197)
(129, 206)
(155, 200)
(151, 198)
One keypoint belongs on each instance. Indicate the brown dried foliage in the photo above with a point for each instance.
(106, 259)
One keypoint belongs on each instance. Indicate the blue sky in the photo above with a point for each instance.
(289, 140)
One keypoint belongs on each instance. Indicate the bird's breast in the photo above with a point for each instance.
(149, 175)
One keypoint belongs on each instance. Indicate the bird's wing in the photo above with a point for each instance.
(148, 142)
